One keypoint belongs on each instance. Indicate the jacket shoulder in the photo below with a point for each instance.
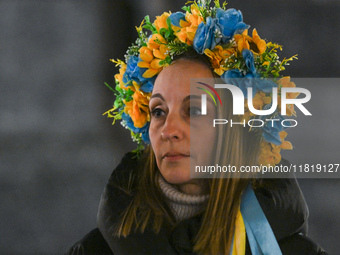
(128, 168)
(299, 244)
(283, 203)
(92, 243)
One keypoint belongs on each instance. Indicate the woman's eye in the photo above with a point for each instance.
(195, 111)
(157, 112)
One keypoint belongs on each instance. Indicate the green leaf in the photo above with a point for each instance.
(129, 94)
(168, 60)
(118, 88)
(162, 31)
(217, 3)
(168, 22)
(107, 85)
(148, 26)
(117, 103)
(186, 8)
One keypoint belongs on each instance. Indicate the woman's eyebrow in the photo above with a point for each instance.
(157, 95)
(190, 97)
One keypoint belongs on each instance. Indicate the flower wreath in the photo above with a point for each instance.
(220, 34)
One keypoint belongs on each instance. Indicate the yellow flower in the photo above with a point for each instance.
(187, 34)
(266, 156)
(260, 99)
(151, 59)
(146, 54)
(187, 30)
(286, 83)
(119, 76)
(285, 145)
(242, 41)
(138, 107)
(194, 18)
(154, 68)
(270, 153)
(155, 41)
(161, 53)
(195, 11)
(254, 43)
(152, 55)
(217, 57)
(260, 43)
(160, 21)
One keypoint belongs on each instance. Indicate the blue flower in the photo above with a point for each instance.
(132, 70)
(145, 136)
(134, 73)
(233, 77)
(230, 22)
(271, 129)
(237, 78)
(249, 79)
(248, 57)
(205, 36)
(176, 18)
(265, 85)
(232, 73)
(147, 85)
(131, 126)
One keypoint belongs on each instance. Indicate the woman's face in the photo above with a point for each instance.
(172, 106)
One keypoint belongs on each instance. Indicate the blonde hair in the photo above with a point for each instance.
(149, 209)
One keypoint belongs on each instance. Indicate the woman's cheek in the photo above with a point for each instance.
(154, 132)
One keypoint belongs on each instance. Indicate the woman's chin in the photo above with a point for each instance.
(176, 175)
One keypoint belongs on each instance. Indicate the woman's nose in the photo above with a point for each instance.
(174, 128)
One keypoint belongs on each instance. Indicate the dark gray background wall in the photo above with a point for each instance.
(57, 151)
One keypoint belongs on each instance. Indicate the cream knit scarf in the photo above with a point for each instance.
(183, 206)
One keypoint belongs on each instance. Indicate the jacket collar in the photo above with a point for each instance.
(281, 201)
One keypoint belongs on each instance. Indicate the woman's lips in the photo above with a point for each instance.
(173, 156)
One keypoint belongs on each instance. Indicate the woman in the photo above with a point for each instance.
(152, 203)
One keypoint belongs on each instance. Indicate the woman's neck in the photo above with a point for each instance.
(183, 205)
(194, 187)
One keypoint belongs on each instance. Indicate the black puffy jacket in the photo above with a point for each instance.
(280, 199)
